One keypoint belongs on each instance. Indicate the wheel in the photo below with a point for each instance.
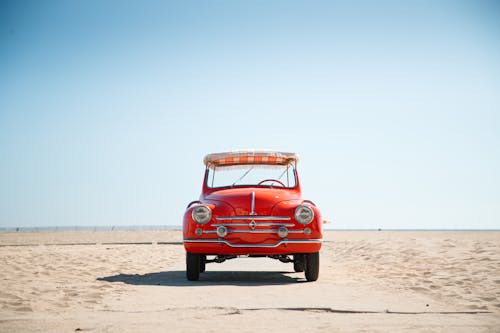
(203, 259)
(298, 262)
(192, 266)
(312, 266)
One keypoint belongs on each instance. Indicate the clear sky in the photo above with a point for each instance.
(108, 107)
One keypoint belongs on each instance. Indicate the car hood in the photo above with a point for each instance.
(240, 199)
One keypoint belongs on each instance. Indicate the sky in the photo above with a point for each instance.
(107, 108)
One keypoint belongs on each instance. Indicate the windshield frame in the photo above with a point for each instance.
(209, 186)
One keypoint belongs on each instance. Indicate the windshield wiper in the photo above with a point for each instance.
(246, 173)
(283, 173)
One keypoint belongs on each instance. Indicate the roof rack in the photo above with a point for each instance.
(251, 156)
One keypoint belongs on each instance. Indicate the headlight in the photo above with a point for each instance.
(304, 214)
(201, 214)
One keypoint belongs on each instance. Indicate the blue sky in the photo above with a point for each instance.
(108, 107)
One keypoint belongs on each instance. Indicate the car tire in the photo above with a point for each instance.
(312, 266)
(192, 266)
(203, 263)
(298, 262)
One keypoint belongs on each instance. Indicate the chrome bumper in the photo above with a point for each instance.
(281, 242)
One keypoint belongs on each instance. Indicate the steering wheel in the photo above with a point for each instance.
(271, 180)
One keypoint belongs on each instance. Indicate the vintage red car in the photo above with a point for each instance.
(251, 205)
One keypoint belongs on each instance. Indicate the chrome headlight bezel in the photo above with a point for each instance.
(304, 214)
(201, 214)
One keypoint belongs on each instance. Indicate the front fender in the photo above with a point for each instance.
(287, 208)
(219, 208)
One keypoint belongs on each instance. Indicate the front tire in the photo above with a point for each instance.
(312, 266)
(298, 262)
(193, 266)
(203, 263)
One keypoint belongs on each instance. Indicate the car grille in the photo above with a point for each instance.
(257, 224)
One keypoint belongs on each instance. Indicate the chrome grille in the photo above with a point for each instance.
(255, 231)
(253, 217)
(260, 224)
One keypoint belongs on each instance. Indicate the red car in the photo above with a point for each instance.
(251, 205)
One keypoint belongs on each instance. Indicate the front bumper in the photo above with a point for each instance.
(222, 246)
(267, 246)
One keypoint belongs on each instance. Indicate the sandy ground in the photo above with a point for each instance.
(369, 282)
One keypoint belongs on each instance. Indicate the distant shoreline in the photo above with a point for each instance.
(178, 227)
(93, 228)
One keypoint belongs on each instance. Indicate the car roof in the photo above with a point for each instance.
(248, 157)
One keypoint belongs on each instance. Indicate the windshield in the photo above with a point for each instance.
(252, 175)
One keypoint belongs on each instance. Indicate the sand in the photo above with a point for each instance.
(369, 281)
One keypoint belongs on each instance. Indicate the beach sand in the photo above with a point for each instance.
(134, 281)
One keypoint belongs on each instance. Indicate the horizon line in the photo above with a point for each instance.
(179, 227)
